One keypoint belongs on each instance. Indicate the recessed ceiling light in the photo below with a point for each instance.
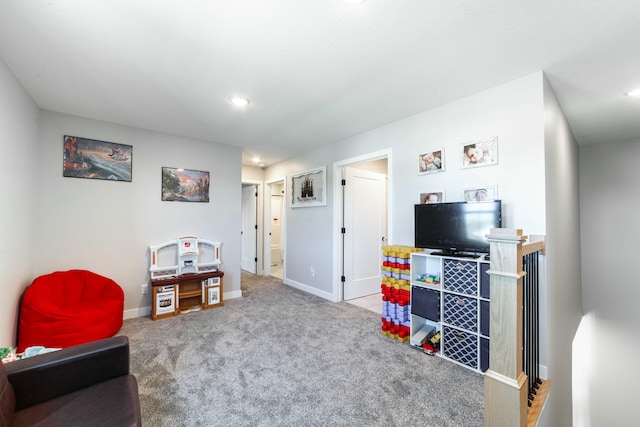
(239, 101)
(256, 159)
(635, 92)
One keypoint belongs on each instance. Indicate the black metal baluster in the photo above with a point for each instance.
(531, 324)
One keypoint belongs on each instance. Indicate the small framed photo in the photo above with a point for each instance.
(480, 194)
(431, 162)
(213, 295)
(483, 152)
(309, 188)
(432, 197)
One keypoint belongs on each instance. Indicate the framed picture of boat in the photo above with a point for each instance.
(309, 188)
(93, 159)
(184, 185)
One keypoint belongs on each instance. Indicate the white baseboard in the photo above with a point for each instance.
(146, 311)
(137, 312)
(543, 372)
(309, 289)
(232, 295)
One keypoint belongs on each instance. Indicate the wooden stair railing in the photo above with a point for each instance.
(506, 386)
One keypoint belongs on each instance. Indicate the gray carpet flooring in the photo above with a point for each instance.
(282, 357)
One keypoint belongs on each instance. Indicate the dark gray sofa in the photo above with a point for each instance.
(83, 385)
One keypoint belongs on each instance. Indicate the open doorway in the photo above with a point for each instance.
(249, 232)
(275, 229)
(362, 210)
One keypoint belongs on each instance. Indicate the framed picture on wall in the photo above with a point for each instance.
(480, 193)
(483, 152)
(184, 185)
(432, 197)
(309, 189)
(431, 162)
(93, 159)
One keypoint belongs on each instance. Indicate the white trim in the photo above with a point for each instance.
(515, 383)
(137, 312)
(232, 295)
(314, 291)
(260, 218)
(267, 224)
(544, 373)
(337, 208)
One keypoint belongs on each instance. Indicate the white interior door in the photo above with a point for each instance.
(249, 228)
(365, 224)
(274, 227)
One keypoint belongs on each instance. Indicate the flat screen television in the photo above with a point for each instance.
(457, 228)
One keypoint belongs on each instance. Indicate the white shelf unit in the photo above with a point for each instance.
(452, 295)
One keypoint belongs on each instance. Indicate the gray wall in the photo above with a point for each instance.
(18, 174)
(50, 223)
(562, 306)
(537, 179)
(107, 226)
(610, 343)
(513, 112)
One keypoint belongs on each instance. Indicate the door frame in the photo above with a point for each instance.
(365, 193)
(267, 226)
(259, 220)
(338, 207)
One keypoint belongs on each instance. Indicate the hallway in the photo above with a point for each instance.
(370, 302)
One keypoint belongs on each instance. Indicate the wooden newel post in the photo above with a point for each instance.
(505, 383)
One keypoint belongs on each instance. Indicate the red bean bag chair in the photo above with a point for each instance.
(68, 308)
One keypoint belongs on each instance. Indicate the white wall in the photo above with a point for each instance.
(537, 179)
(107, 226)
(53, 223)
(609, 206)
(252, 174)
(377, 166)
(307, 230)
(512, 112)
(18, 174)
(561, 307)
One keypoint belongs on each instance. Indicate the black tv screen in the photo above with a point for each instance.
(458, 227)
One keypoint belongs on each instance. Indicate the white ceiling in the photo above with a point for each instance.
(317, 71)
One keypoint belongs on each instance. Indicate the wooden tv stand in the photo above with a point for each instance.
(186, 293)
